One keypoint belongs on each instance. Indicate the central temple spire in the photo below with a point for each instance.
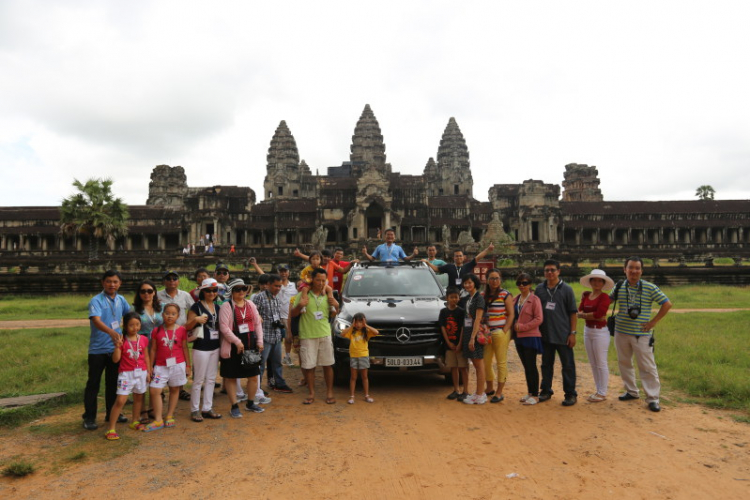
(367, 141)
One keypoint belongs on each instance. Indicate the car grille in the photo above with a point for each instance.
(424, 333)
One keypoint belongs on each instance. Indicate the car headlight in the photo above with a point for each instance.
(341, 324)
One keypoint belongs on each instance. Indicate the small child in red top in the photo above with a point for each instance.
(135, 373)
(169, 356)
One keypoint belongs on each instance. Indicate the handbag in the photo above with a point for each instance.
(613, 315)
(484, 337)
(250, 358)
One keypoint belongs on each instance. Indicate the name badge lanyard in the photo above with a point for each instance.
(171, 342)
(136, 349)
(211, 317)
(273, 303)
(113, 307)
(552, 295)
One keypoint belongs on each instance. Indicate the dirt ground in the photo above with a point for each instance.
(411, 443)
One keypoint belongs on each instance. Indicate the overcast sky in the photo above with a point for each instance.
(655, 94)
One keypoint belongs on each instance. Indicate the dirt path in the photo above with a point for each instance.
(412, 443)
(42, 323)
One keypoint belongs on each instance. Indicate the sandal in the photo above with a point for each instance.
(111, 435)
(153, 426)
(351, 400)
(196, 416)
(308, 401)
(368, 399)
(137, 425)
(184, 395)
(169, 422)
(210, 414)
(330, 401)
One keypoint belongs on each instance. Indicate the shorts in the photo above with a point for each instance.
(129, 383)
(455, 359)
(362, 363)
(174, 376)
(316, 352)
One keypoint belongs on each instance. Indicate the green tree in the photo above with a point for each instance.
(705, 192)
(95, 212)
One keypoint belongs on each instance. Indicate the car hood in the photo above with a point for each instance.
(393, 310)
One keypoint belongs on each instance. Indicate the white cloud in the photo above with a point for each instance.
(654, 94)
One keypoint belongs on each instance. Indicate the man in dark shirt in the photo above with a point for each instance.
(558, 332)
(458, 270)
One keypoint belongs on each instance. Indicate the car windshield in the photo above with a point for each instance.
(392, 282)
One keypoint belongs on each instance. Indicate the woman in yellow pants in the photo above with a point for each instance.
(499, 313)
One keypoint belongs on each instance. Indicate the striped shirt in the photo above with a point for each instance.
(642, 295)
(496, 313)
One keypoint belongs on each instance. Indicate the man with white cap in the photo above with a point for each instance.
(593, 309)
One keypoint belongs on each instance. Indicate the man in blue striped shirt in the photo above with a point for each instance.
(634, 332)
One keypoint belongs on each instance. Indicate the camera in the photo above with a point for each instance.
(634, 311)
(278, 324)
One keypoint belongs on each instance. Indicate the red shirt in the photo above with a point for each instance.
(598, 306)
(134, 354)
(169, 344)
(335, 278)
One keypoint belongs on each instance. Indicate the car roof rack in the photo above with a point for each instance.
(378, 263)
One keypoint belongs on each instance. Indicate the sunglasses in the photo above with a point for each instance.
(222, 272)
(211, 290)
(147, 291)
(171, 278)
(523, 283)
(239, 289)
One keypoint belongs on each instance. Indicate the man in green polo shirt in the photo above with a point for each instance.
(316, 346)
(634, 329)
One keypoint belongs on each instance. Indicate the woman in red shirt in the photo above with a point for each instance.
(593, 309)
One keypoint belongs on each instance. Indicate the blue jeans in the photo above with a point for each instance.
(273, 353)
(568, 362)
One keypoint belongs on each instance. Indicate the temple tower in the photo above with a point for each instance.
(168, 186)
(581, 183)
(368, 148)
(286, 176)
(452, 176)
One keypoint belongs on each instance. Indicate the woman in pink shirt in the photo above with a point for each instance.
(528, 338)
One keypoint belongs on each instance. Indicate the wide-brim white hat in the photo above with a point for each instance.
(598, 273)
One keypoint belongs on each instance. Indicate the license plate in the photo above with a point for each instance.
(412, 361)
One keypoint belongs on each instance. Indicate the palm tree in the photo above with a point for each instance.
(94, 211)
(705, 192)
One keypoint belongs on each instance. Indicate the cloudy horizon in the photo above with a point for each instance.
(653, 94)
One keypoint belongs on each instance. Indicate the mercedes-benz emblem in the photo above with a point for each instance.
(403, 335)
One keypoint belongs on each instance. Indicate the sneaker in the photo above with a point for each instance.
(471, 399)
(531, 400)
(235, 413)
(283, 388)
(453, 395)
(242, 398)
(480, 399)
(254, 407)
(90, 425)
(262, 400)
(122, 419)
(545, 396)
(461, 396)
(627, 397)
(287, 361)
